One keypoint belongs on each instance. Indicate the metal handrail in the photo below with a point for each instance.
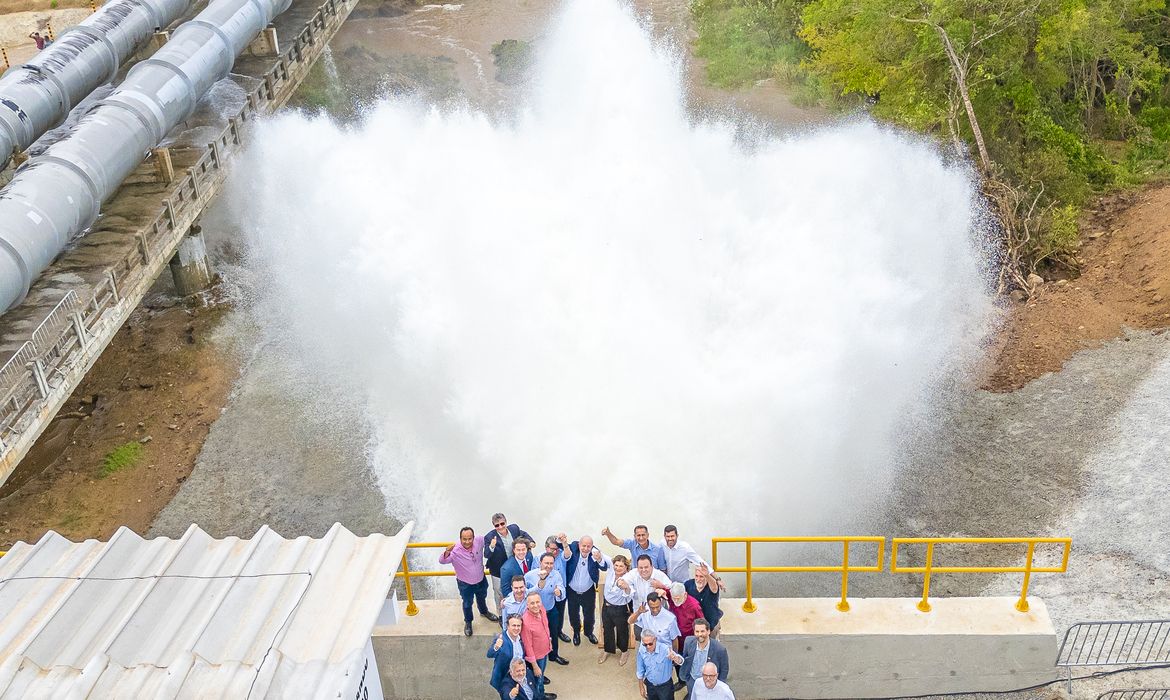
(406, 574)
(844, 568)
(928, 568)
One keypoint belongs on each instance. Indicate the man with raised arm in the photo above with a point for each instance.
(646, 579)
(639, 545)
(656, 662)
(505, 648)
(584, 566)
(497, 548)
(558, 546)
(547, 583)
(703, 589)
(678, 556)
(652, 616)
(467, 559)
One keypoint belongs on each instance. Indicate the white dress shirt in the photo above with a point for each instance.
(613, 593)
(642, 587)
(679, 559)
(721, 691)
(579, 579)
(664, 625)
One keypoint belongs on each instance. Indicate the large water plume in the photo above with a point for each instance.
(601, 312)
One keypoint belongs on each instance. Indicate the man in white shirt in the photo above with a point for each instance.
(678, 557)
(644, 579)
(654, 617)
(711, 688)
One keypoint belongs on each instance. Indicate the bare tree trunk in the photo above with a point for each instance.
(960, 71)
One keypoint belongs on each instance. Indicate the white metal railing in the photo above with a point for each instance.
(39, 367)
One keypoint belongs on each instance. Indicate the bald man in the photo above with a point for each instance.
(710, 687)
(582, 569)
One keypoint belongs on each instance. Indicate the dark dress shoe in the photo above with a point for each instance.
(547, 680)
(576, 639)
(561, 660)
(564, 637)
(550, 696)
(490, 616)
(680, 685)
(467, 628)
(592, 639)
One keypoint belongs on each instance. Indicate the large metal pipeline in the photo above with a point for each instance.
(37, 96)
(59, 194)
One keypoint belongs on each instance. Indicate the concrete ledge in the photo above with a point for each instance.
(886, 647)
(788, 648)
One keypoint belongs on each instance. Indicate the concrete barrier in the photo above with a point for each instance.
(788, 648)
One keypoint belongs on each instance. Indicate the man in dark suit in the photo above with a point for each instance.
(699, 650)
(520, 684)
(581, 572)
(505, 647)
(497, 547)
(520, 563)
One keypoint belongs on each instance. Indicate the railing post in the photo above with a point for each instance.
(113, 284)
(748, 605)
(843, 606)
(38, 371)
(924, 604)
(411, 608)
(79, 328)
(1022, 604)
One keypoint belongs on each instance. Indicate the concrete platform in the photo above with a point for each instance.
(790, 647)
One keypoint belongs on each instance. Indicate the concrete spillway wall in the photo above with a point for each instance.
(790, 647)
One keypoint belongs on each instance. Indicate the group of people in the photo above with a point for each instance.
(665, 591)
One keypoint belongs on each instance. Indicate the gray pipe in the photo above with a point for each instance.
(37, 96)
(59, 194)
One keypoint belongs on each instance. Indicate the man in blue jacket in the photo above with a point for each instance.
(581, 573)
(505, 647)
(520, 684)
(519, 564)
(497, 547)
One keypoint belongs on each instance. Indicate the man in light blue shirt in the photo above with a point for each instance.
(656, 662)
(517, 601)
(640, 545)
(548, 583)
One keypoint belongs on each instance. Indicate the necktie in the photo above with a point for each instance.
(524, 566)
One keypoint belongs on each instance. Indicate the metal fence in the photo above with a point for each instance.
(1146, 694)
(37, 372)
(1116, 643)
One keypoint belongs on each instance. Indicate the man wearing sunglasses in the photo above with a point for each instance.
(656, 662)
(497, 548)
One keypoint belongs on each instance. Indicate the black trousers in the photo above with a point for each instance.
(615, 627)
(660, 692)
(582, 604)
(556, 622)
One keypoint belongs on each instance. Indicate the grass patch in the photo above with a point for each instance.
(121, 457)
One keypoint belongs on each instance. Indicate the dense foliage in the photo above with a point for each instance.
(1054, 100)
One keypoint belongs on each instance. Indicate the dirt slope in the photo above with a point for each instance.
(1124, 283)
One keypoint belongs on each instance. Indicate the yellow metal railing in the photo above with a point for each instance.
(928, 568)
(844, 568)
(406, 574)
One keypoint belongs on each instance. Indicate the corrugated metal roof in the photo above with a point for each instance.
(192, 617)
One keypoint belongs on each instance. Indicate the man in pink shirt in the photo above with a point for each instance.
(467, 558)
(535, 639)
